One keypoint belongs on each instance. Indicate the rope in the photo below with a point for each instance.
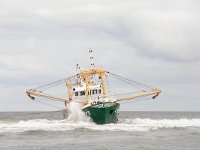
(136, 86)
(133, 82)
(48, 104)
(108, 85)
(53, 84)
(125, 93)
(37, 101)
(138, 99)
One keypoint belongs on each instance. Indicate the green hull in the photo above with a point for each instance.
(103, 113)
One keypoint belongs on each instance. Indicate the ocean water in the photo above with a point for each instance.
(134, 131)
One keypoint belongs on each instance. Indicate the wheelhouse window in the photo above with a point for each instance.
(76, 93)
(99, 91)
(82, 93)
(94, 92)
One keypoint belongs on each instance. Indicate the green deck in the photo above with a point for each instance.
(103, 113)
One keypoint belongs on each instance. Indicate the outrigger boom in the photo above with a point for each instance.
(85, 75)
(155, 92)
(32, 93)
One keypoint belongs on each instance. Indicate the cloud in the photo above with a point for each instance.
(155, 41)
(155, 30)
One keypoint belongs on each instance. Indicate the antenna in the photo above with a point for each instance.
(77, 65)
(91, 57)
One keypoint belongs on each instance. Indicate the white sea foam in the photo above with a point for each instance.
(137, 124)
(76, 113)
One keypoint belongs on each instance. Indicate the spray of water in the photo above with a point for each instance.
(76, 114)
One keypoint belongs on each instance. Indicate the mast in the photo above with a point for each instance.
(91, 58)
(85, 75)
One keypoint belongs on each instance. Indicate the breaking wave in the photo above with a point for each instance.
(137, 124)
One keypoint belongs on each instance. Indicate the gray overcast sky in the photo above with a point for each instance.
(155, 41)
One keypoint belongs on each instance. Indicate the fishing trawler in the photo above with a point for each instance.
(88, 88)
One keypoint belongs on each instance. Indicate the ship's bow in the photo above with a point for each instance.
(103, 113)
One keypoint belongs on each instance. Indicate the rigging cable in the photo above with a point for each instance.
(108, 85)
(48, 104)
(126, 93)
(53, 84)
(138, 100)
(136, 86)
(130, 81)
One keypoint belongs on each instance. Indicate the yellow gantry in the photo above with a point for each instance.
(86, 74)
